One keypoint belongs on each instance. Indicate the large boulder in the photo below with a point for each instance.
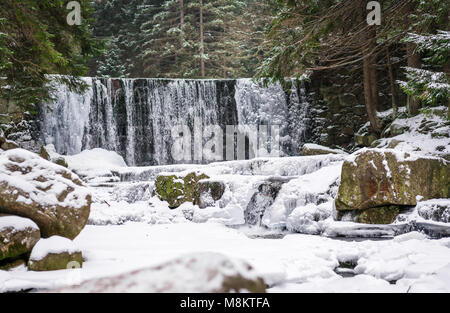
(177, 189)
(313, 149)
(17, 236)
(55, 253)
(50, 195)
(207, 192)
(374, 178)
(195, 273)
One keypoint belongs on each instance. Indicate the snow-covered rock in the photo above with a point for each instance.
(425, 133)
(49, 153)
(55, 253)
(384, 177)
(18, 236)
(314, 149)
(437, 210)
(49, 194)
(193, 273)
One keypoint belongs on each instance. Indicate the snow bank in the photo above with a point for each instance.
(293, 263)
(95, 159)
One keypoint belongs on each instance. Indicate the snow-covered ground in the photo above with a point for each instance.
(295, 263)
(297, 251)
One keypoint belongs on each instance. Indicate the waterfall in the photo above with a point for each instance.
(135, 117)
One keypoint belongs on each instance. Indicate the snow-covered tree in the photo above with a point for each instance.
(430, 84)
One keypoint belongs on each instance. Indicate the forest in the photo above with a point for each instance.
(230, 39)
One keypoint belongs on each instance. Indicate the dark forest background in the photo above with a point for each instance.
(273, 39)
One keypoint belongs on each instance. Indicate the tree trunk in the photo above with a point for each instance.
(373, 68)
(413, 59)
(415, 62)
(202, 44)
(181, 23)
(368, 95)
(392, 82)
(368, 42)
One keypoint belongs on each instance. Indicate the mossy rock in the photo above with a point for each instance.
(177, 189)
(379, 215)
(208, 192)
(44, 154)
(365, 140)
(47, 152)
(56, 261)
(60, 161)
(15, 242)
(9, 145)
(233, 284)
(376, 178)
(396, 130)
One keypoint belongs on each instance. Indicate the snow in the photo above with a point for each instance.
(17, 223)
(95, 159)
(196, 272)
(294, 263)
(29, 179)
(312, 146)
(52, 245)
(129, 230)
(424, 143)
(428, 209)
(306, 199)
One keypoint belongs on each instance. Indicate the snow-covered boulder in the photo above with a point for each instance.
(194, 273)
(373, 178)
(49, 194)
(55, 253)
(313, 149)
(18, 236)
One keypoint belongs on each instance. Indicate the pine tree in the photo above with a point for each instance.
(429, 85)
(203, 38)
(36, 40)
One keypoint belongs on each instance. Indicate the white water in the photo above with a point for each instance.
(135, 117)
